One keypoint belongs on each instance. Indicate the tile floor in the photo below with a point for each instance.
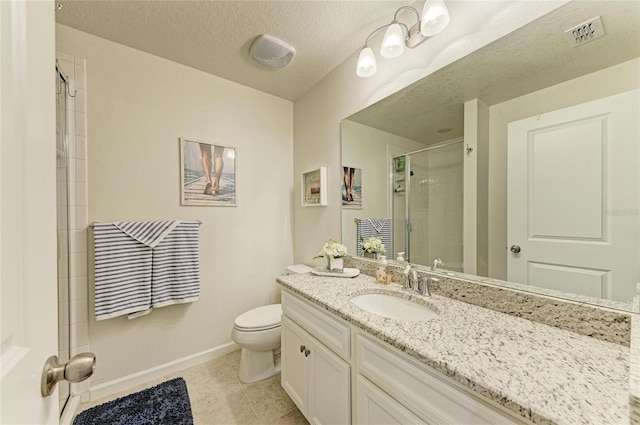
(219, 397)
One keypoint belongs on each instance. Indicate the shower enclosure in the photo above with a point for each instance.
(62, 198)
(427, 202)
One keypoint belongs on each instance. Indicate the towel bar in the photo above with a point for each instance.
(92, 225)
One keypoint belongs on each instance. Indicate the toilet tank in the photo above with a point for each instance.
(298, 269)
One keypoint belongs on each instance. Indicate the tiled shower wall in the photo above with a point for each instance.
(77, 297)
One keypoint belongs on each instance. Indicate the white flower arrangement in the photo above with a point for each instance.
(372, 245)
(333, 249)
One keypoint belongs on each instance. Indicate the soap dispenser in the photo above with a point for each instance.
(382, 274)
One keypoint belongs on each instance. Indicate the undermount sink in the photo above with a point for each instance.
(393, 307)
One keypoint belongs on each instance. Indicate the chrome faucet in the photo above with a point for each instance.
(412, 281)
(424, 288)
(415, 282)
(410, 277)
(436, 263)
(407, 280)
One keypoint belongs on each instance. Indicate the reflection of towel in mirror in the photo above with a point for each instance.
(140, 265)
(374, 227)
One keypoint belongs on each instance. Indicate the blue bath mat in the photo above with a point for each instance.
(167, 403)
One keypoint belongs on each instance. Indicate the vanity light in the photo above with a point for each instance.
(393, 42)
(435, 18)
(366, 63)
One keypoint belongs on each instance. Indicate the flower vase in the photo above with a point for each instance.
(372, 255)
(334, 265)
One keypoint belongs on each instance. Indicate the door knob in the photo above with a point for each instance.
(515, 249)
(79, 368)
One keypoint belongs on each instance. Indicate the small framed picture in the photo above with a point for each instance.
(208, 174)
(314, 188)
(351, 188)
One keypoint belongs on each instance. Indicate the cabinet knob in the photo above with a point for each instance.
(302, 348)
(307, 352)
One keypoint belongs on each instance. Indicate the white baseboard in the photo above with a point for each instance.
(126, 382)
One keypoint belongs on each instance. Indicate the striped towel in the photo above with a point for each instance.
(141, 265)
(175, 277)
(374, 227)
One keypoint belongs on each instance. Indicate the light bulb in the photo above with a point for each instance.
(393, 42)
(366, 63)
(435, 17)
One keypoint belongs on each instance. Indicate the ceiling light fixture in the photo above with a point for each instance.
(434, 19)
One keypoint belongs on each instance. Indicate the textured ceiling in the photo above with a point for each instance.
(533, 57)
(214, 36)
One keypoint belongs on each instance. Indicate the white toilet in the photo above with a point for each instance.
(258, 333)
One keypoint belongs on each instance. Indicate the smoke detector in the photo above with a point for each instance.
(585, 32)
(271, 52)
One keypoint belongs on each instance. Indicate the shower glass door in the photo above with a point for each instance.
(62, 198)
(427, 205)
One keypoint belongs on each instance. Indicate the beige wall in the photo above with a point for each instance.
(318, 113)
(476, 163)
(610, 81)
(138, 105)
(368, 148)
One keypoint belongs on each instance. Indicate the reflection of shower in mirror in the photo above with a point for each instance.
(427, 222)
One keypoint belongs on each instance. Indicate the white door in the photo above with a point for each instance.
(27, 210)
(573, 189)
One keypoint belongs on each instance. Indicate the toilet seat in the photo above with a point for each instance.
(259, 319)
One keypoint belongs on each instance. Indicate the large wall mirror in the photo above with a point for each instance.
(518, 163)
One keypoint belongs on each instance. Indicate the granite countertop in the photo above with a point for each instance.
(545, 374)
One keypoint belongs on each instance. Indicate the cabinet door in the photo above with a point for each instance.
(329, 386)
(375, 407)
(294, 363)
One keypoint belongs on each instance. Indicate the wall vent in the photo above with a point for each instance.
(585, 32)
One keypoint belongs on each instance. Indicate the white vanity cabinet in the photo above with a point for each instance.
(374, 406)
(392, 386)
(316, 378)
(389, 386)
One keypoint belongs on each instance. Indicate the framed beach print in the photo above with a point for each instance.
(314, 188)
(208, 173)
(351, 188)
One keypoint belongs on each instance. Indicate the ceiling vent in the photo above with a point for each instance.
(585, 32)
(271, 52)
